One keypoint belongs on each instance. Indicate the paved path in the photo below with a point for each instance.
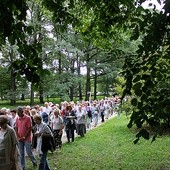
(64, 138)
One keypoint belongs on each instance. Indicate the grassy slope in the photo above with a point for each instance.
(110, 147)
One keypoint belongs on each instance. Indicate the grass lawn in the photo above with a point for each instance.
(6, 103)
(110, 147)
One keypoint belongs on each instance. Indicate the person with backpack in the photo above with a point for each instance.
(43, 133)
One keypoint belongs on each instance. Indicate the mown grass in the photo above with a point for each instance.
(6, 103)
(57, 100)
(110, 147)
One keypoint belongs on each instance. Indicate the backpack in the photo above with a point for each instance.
(89, 113)
(48, 142)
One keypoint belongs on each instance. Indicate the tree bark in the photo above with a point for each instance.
(13, 88)
(88, 83)
(78, 72)
(13, 83)
(32, 94)
(95, 83)
(41, 96)
(72, 86)
(22, 97)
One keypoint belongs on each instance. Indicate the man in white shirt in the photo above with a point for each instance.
(47, 108)
(13, 118)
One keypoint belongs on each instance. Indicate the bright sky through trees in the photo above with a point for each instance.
(155, 2)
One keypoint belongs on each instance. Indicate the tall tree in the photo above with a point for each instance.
(9, 55)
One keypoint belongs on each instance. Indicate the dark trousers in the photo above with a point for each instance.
(70, 134)
(102, 117)
(43, 162)
(57, 137)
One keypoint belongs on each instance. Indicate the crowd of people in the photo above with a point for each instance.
(26, 128)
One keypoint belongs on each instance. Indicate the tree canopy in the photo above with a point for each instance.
(102, 25)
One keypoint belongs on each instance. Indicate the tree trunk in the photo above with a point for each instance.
(22, 97)
(88, 84)
(41, 98)
(32, 94)
(95, 83)
(71, 94)
(78, 72)
(13, 83)
(13, 89)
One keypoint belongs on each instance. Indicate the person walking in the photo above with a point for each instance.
(95, 112)
(23, 129)
(57, 126)
(81, 121)
(88, 115)
(13, 117)
(70, 123)
(43, 130)
(8, 146)
(101, 111)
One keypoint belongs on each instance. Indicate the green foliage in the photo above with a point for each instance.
(12, 15)
(4, 83)
(15, 30)
(91, 17)
(59, 85)
(147, 74)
